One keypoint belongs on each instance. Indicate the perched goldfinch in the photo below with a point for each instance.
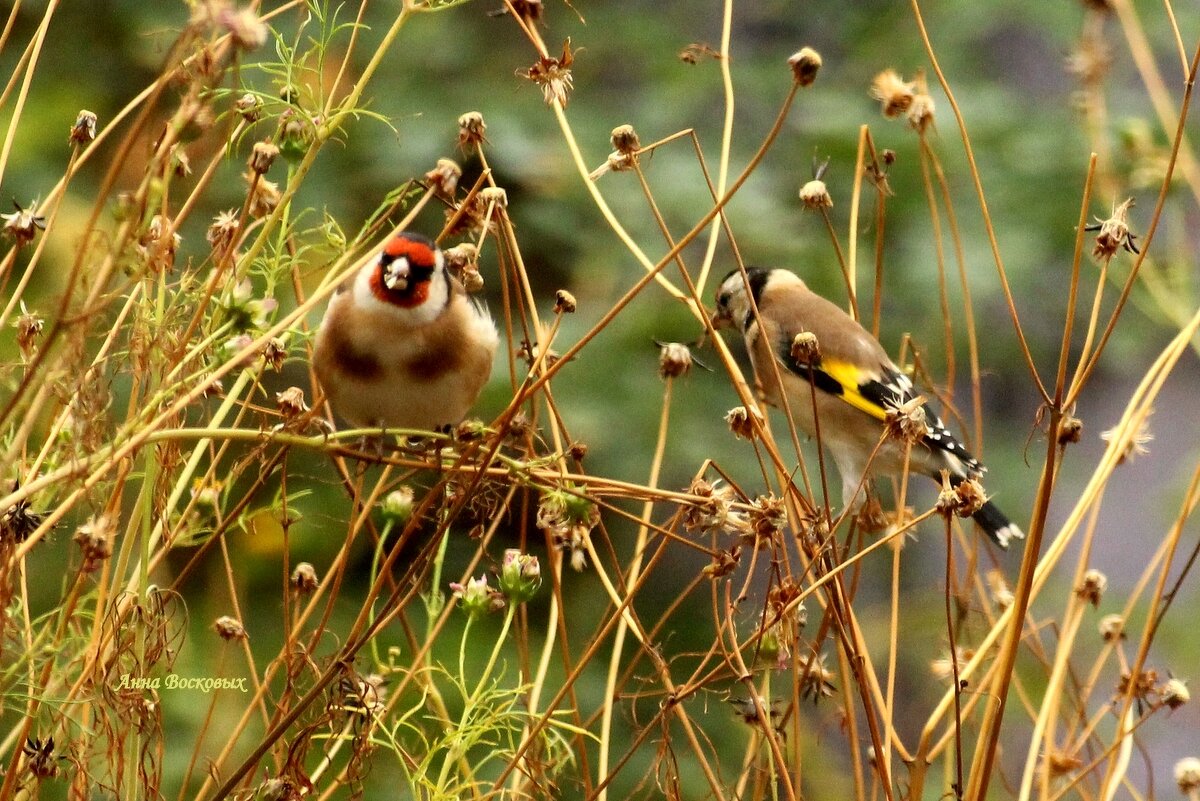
(854, 382)
(401, 344)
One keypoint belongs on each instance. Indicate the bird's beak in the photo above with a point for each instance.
(720, 319)
(396, 274)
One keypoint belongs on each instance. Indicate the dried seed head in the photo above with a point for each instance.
(806, 349)
(262, 157)
(906, 421)
(229, 628)
(674, 359)
(1060, 765)
(564, 302)
(304, 579)
(920, 112)
(1187, 774)
(768, 518)
(625, 140)
(963, 499)
(22, 225)
(1001, 594)
(471, 130)
(443, 179)
(815, 195)
(578, 451)
(743, 422)
(805, 64)
(553, 75)
(816, 679)
(291, 403)
(693, 52)
(158, 243)
(1070, 430)
(1112, 627)
(274, 354)
(1113, 233)
(223, 231)
(943, 668)
(95, 538)
(461, 256)
(1092, 587)
(495, 195)
(714, 514)
(29, 327)
(723, 563)
(265, 197)
(1135, 445)
(247, 31)
(39, 757)
(398, 505)
(249, 106)
(894, 93)
(84, 129)
(1174, 693)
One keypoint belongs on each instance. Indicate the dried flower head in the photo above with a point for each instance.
(805, 349)
(95, 538)
(39, 757)
(944, 669)
(564, 302)
(22, 225)
(1060, 765)
(815, 195)
(963, 498)
(1092, 587)
(723, 562)
(1174, 693)
(266, 196)
(1112, 627)
(262, 156)
(249, 106)
(29, 327)
(158, 244)
(894, 93)
(1187, 775)
(805, 64)
(768, 518)
(906, 421)
(1113, 233)
(304, 579)
(247, 31)
(229, 628)
(553, 75)
(1070, 430)
(744, 422)
(816, 680)
(694, 51)
(674, 359)
(713, 513)
(920, 112)
(223, 231)
(1135, 444)
(83, 130)
(625, 140)
(494, 196)
(291, 403)
(1002, 595)
(471, 130)
(443, 179)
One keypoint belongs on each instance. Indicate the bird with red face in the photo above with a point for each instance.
(401, 344)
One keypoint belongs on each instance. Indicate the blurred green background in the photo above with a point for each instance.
(1006, 65)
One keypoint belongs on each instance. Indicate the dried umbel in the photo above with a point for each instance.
(1174, 693)
(29, 327)
(1187, 775)
(1135, 445)
(223, 231)
(713, 512)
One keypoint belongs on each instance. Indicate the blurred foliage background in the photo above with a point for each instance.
(1008, 66)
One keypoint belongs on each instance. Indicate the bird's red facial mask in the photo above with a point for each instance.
(405, 269)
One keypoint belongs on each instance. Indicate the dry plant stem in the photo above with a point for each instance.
(8, 26)
(987, 218)
(935, 224)
(631, 577)
(1073, 293)
(39, 38)
(726, 138)
(851, 271)
(968, 306)
(1183, 63)
(1078, 385)
(841, 257)
(1156, 88)
(1108, 785)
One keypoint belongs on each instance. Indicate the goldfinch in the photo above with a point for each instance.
(851, 385)
(401, 344)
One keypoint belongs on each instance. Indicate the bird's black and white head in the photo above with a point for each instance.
(734, 294)
(409, 275)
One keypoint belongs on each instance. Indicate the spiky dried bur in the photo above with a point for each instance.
(1113, 234)
(553, 75)
(805, 64)
(816, 680)
(22, 225)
